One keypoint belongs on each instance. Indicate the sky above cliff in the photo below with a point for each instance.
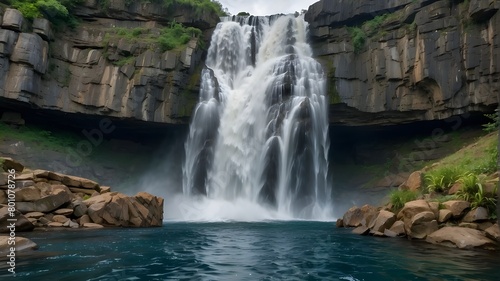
(266, 7)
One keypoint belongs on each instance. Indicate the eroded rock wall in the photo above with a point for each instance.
(92, 70)
(419, 60)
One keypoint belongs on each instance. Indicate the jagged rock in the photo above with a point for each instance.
(95, 212)
(384, 220)
(27, 194)
(463, 238)
(413, 182)
(399, 228)
(21, 223)
(476, 215)
(46, 204)
(457, 207)
(444, 215)
(12, 19)
(22, 245)
(339, 223)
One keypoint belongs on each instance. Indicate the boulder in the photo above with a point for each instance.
(414, 207)
(46, 204)
(463, 238)
(444, 215)
(399, 228)
(413, 183)
(8, 164)
(63, 212)
(457, 207)
(476, 215)
(455, 188)
(27, 194)
(21, 223)
(493, 232)
(84, 219)
(35, 215)
(384, 220)
(484, 225)
(421, 225)
(352, 218)
(22, 245)
(361, 230)
(92, 225)
(339, 223)
(55, 224)
(79, 210)
(59, 218)
(95, 212)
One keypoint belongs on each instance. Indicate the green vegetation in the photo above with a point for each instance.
(492, 126)
(56, 11)
(400, 197)
(125, 61)
(442, 179)
(200, 7)
(167, 38)
(243, 14)
(56, 141)
(358, 38)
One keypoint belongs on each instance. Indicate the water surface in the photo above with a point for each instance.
(244, 251)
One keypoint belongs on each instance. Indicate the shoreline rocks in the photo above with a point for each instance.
(455, 225)
(47, 199)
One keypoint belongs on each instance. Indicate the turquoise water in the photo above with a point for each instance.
(244, 251)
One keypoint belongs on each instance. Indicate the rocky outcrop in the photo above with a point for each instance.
(460, 237)
(421, 219)
(99, 68)
(401, 61)
(48, 199)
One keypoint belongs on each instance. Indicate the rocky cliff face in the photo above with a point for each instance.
(407, 60)
(106, 65)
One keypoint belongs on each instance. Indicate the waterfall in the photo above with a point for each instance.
(259, 133)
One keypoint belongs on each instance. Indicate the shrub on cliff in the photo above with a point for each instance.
(56, 11)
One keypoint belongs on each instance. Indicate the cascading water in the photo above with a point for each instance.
(259, 134)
